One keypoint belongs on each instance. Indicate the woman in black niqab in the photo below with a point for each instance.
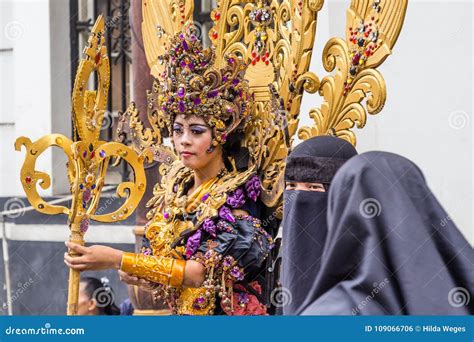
(391, 248)
(309, 171)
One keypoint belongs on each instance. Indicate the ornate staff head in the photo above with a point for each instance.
(88, 157)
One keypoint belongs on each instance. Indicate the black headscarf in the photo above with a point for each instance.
(304, 221)
(391, 248)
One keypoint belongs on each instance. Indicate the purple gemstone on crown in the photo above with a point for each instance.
(191, 65)
(181, 92)
(181, 106)
(235, 81)
(183, 64)
(197, 101)
(205, 197)
(212, 94)
(102, 153)
(185, 46)
(166, 216)
(224, 79)
(231, 60)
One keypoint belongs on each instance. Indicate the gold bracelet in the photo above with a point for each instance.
(166, 271)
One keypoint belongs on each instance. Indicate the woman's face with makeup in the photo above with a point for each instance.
(192, 138)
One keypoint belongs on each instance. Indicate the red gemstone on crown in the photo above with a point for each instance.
(356, 59)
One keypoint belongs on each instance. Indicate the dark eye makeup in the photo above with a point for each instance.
(198, 130)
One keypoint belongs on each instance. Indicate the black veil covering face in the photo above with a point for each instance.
(391, 248)
(304, 221)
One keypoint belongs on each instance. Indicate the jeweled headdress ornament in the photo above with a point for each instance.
(275, 38)
(191, 85)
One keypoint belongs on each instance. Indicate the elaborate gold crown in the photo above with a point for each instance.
(191, 85)
(275, 38)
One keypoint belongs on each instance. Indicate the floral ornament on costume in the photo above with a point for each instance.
(226, 214)
(253, 188)
(190, 85)
(193, 243)
(236, 199)
(210, 227)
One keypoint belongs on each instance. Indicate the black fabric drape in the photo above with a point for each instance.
(391, 248)
(304, 220)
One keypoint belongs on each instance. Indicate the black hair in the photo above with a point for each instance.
(233, 148)
(102, 293)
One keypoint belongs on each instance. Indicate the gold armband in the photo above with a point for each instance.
(166, 271)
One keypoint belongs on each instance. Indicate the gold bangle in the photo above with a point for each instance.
(166, 271)
(177, 273)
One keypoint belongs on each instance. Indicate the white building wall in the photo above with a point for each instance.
(35, 87)
(428, 114)
(25, 74)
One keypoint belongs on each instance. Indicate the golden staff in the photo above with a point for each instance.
(88, 158)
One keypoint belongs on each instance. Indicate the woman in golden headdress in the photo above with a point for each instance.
(207, 248)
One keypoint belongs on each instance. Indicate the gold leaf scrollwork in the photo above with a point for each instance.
(275, 38)
(357, 88)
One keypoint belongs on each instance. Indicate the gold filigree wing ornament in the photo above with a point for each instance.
(144, 139)
(275, 38)
(356, 88)
(162, 19)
